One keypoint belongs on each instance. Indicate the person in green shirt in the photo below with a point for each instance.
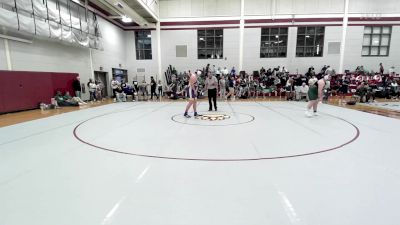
(74, 100)
(315, 94)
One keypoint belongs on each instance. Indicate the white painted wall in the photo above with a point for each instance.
(3, 60)
(275, 7)
(252, 60)
(199, 8)
(150, 66)
(171, 38)
(353, 48)
(114, 52)
(373, 6)
(51, 56)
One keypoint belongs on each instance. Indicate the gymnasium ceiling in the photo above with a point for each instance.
(114, 9)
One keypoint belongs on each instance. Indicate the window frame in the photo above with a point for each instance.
(316, 32)
(208, 52)
(142, 52)
(268, 51)
(379, 46)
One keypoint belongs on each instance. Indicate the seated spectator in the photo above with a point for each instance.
(303, 91)
(120, 95)
(68, 98)
(362, 91)
(289, 89)
(394, 89)
(62, 102)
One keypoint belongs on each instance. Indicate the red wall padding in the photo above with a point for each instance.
(20, 90)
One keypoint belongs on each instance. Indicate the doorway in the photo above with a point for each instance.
(102, 77)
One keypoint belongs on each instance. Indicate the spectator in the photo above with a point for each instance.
(160, 89)
(92, 90)
(392, 73)
(222, 87)
(120, 95)
(381, 69)
(231, 87)
(233, 71)
(114, 86)
(303, 91)
(61, 101)
(76, 86)
(394, 89)
(153, 87)
(99, 90)
(225, 71)
(73, 100)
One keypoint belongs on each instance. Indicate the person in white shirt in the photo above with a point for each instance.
(303, 90)
(222, 87)
(391, 71)
(92, 90)
(114, 86)
(218, 72)
(328, 70)
(394, 88)
(225, 71)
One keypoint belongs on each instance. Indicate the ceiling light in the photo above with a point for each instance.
(307, 36)
(149, 35)
(126, 19)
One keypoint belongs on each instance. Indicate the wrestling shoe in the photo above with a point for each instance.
(186, 115)
(308, 114)
(315, 114)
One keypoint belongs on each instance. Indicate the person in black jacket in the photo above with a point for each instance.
(153, 87)
(76, 86)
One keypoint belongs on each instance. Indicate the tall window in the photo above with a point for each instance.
(143, 44)
(376, 41)
(310, 41)
(210, 44)
(273, 42)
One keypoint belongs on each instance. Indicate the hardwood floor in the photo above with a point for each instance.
(19, 117)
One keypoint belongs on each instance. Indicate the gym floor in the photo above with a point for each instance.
(252, 162)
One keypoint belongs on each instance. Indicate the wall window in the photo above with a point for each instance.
(376, 41)
(210, 44)
(310, 41)
(143, 44)
(273, 42)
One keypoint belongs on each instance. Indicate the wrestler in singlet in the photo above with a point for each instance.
(192, 95)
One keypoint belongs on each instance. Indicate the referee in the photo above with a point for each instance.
(211, 84)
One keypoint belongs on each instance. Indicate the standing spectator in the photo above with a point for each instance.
(381, 69)
(218, 73)
(284, 70)
(225, 71)
(160, 88)
(92, 90)
(211, 85)
(76, 86)
(231, 86)
(329, 71)
(289, 89)
(99, 90)
(233, 72)
(114, 87)
(222, 87)
(153, 87)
